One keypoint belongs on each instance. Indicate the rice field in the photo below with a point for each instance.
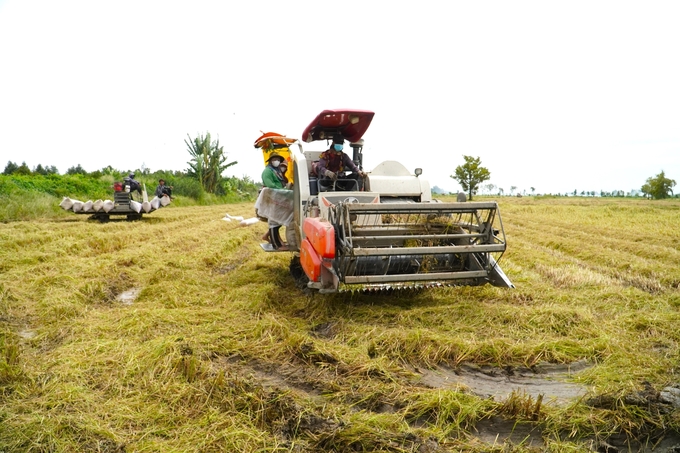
(177, 333)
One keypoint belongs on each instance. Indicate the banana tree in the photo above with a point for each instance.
(207, 161)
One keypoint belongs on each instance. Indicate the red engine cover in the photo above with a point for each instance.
(321, 234)
(310, 261)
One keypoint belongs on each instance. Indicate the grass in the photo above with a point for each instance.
(220, 351)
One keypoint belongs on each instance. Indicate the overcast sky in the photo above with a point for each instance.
(552, 95)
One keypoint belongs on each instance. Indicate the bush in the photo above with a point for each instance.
(27, 206)
(76, 186)
(24, 197)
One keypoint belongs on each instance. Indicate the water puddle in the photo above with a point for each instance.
(499, 432)
(547, 380)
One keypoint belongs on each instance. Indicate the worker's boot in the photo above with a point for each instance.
(276, 239)
(278, 236)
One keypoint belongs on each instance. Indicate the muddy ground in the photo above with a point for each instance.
(548, 382)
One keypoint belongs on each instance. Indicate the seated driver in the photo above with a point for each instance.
(133, 183)
(333, 162)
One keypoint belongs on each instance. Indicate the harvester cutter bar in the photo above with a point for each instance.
(399, 288)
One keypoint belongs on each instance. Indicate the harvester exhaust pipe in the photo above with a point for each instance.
(357, 153)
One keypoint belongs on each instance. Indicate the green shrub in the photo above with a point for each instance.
(24, 197)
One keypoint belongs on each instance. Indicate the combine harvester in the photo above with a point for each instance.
(121, 205)
(391, 234)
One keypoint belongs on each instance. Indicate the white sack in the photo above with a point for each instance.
(87, 206)
(155, 203)
(165, 200)
(66, 203)
(97, 205)
(250, 221)
(136, 206)
(77, 206)
(146, 206)
(107, 205)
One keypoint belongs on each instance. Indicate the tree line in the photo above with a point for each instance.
(471, 175)
(206, 168)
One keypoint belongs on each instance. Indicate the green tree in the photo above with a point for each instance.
(109, 170)
(207, 162)
(9, 168)
(77, 170)
(471, 174)
(658, 187)
(39, 170)
(22, 170)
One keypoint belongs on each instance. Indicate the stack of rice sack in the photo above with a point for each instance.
(90, 206)
(148, 206)
(70, 204)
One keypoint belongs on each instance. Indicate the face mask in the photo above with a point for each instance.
(337, 147)
(275, 163)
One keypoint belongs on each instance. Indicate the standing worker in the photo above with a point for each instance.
(273, 178)
(271, 175)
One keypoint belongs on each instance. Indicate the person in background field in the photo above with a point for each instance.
(273, 178)
(133, 184)
(162, 189)
(333, 162)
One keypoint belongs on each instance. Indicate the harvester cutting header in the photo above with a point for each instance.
(378, 228)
